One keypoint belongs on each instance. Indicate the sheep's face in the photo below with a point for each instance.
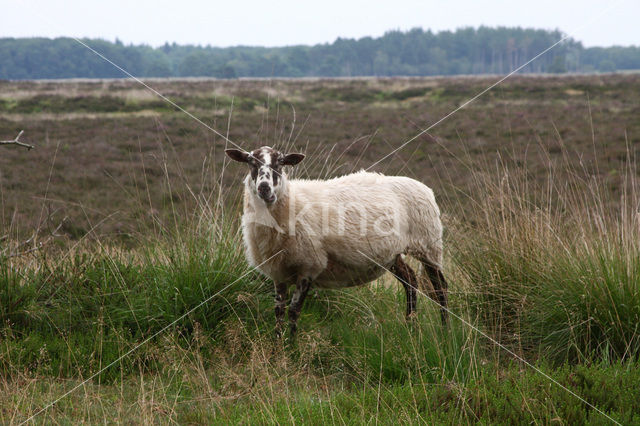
(265, 166)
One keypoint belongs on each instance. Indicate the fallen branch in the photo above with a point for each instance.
(17, 142)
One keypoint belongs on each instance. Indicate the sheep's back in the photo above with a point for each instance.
(367, 215)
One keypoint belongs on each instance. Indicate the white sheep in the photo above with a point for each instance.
(337, 233)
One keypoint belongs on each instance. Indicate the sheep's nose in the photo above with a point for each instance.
(264, 189)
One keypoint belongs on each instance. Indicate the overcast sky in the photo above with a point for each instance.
(279, 23)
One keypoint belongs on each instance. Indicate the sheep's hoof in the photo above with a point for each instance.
(412, 317)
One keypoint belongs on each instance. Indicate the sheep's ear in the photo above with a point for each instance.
(237, 155)
(291, 159)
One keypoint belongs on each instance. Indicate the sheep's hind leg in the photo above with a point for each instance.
(440, 286)
(281, 304)
(302, 288)
(407, 277)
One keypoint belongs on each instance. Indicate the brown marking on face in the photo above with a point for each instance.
(265, 165)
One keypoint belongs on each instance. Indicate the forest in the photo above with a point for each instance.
(416, 52)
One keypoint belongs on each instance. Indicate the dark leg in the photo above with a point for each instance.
(407, 277)
(302, 288)
(440, 286)
(281, 304)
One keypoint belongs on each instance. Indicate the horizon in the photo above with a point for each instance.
(129, 43)
(253, 24)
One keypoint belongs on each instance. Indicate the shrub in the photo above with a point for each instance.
(555, 269)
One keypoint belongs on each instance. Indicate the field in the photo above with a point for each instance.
(124, 218)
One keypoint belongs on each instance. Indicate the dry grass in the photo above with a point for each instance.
(96, 166)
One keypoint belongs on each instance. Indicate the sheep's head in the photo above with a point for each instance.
(265, 165)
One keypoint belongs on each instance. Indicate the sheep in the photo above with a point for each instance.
(336, 233)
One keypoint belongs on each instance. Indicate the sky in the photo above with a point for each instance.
(281, 23)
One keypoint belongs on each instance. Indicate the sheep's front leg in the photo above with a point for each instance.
(302, 288)
(281, 304)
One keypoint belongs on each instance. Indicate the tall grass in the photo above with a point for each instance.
(552, 267)
(89, 306)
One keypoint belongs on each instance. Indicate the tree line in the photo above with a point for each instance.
(415, 52)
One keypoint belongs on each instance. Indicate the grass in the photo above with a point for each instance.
(555, 268)
(542, 256)
(123, 138)
(522, 273)
(121, 297)
(111, 104)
